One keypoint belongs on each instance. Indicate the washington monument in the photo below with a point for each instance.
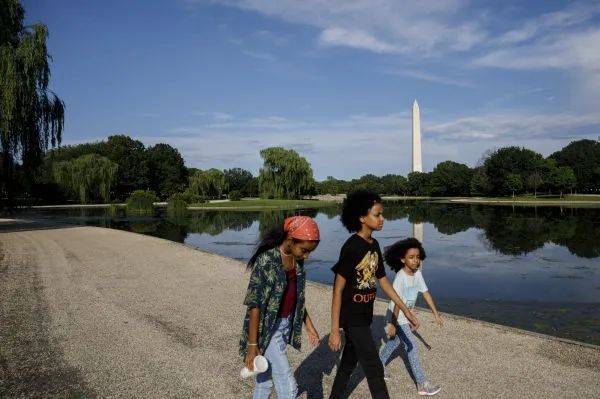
(417, 164)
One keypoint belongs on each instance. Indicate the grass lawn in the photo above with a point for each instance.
(530, 198)
(264, 204)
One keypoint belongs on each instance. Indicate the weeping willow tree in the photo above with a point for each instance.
(209, 183)
(285, 174)
(87, 177)
(31, 116)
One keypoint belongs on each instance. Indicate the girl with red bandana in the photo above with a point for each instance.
(275, 304)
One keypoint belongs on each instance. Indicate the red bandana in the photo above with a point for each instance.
(302, 228)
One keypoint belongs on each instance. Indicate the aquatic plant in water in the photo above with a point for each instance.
(141, 202)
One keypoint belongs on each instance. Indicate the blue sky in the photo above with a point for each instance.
(335, 80)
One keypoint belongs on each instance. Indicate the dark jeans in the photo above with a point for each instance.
(360, 348)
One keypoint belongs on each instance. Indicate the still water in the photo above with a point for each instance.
(532, 268)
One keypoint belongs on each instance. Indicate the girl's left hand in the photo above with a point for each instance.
(439, 321)
(313, 338)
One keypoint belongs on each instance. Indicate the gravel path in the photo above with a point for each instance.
(92, 312)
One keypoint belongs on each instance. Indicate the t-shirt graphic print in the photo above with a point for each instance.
(365, 271)
(361, 265)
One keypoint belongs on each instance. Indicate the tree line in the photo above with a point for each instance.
(113, 169)
(502, 172)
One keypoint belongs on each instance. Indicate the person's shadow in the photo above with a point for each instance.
(322, 360)
(310, 373)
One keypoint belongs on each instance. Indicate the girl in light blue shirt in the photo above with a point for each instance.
(404, 257)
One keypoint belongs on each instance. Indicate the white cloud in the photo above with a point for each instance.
(219, 116)
(380, 144)
(430, 77)
(566, 40)
(511, 125)
(564, 51)
(355, 38)
(554, 21)
(382, 26)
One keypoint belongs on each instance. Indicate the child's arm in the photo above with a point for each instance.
(313, 334)
(253, 349)
(335, 341)
(389, 290)
(429, 300)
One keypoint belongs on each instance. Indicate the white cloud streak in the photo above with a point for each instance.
(430, 77)
(380, 144)
(382, 26)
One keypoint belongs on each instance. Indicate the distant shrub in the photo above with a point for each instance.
(191, 198)
(235, 195)
(113, 210)
(141, 202)
(177, 205)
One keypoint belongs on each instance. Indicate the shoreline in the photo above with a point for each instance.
(332, 203)
(139, 316)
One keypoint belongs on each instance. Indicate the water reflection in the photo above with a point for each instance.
(510, 231)
(530, 268)
(507, 230)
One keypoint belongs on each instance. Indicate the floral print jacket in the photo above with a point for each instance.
(265, 291)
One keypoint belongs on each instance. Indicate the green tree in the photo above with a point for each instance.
(451, 179)
(141, 203)
(89, 177)
(207, 183)
(285, 174)
(563, 178)
(583, 156)
(394, 184)
(368, 182)
(167, 170)
(132, 159)
(31, 116)
(332, 186)
(534, 181)
(251, 189)
(480, 182)
(510, 160)
(69, 152)
(419, 183)
(238, 179)
(513, 182)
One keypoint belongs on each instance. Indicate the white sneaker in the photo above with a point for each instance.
(428, 389)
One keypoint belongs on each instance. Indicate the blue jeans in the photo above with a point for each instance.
(279, 372)
(405, 337)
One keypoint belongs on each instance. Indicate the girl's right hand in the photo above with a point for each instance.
(335, 341)
(250, 355)
(413, 319)
(390, 330)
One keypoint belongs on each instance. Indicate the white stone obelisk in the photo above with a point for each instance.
(417, 164)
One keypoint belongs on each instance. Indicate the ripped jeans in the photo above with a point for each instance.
(407, 339)
(279, 373)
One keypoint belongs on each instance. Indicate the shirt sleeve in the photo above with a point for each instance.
(397, 285)
(256, 285)
(346, 263)
(421, 286)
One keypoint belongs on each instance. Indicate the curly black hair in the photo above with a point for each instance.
(398, 250)
(357, 204)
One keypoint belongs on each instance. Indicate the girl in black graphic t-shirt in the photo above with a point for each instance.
(357, 271)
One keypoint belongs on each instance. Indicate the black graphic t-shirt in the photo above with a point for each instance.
(361, 264)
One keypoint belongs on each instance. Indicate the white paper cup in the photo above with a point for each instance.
(260, 366)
